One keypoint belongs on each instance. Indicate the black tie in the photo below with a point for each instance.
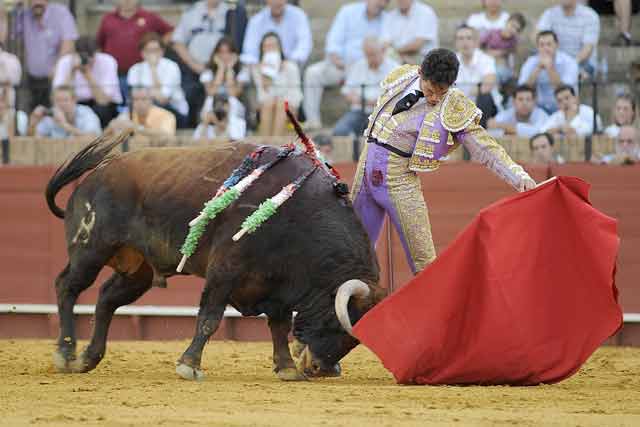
(406, 102)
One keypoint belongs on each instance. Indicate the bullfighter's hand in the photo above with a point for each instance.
(527, 184)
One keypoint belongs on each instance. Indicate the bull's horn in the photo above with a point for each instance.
(345, 291)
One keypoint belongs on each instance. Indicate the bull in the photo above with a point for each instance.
(131, 213)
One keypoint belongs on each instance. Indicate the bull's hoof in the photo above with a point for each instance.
(189, 373)
(84, 363)
(291, 374)
(62, 362)
(316, 371)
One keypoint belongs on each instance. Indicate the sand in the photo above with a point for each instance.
(136, 385)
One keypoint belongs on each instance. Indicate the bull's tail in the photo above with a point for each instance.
(89, 158)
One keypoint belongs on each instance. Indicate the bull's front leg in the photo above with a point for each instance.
(212, 305)
(283, 364)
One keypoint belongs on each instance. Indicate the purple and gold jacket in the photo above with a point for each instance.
(429, 136)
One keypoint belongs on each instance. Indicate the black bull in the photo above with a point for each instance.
(131, 212)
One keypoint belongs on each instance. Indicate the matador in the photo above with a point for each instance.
(419, 119)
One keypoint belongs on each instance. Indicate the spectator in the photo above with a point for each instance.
(220, 121)
(577, 28)
(120, 32)
(66, 119)
(200, 29)
(343, 48)
(477, 74)
(49, 32)
(623, 9)
(160, 74)
(324, 144)
(627, 148)
(572, 119)
(12, 122)
(93, 76)
(524, 119)
(277, 80)
(363, 87)
(543, 150)
(3, 26)
(222, 68)
(548, 69)
(502, 44)
(10, 68)
(146, 118)
(624, 114)
(493, 17)
(410, 31)
(291, 25)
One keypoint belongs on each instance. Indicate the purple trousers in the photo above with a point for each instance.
(384, 185)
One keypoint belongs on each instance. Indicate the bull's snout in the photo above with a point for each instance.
(312, 366)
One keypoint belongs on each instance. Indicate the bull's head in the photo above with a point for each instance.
(326, 345)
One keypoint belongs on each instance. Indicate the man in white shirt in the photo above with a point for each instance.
(66, 119)
(162, 76)
(410, 31)
(289, 22)
(363, 87)
(494, 17)
(627, 148)
(199, 30)
(548, 69)
(578, 29)
(572, 119)
(343, 48)
(524, 119)
(477, 75)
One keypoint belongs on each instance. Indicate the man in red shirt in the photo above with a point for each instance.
(121, 30)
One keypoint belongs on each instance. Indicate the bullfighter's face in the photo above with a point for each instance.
(433, 92)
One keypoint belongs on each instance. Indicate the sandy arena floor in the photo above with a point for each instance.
(136, 385)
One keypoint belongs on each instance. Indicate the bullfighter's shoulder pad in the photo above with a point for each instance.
(458, 111)
(399, 74)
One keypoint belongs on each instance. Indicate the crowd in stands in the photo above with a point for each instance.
(227, 75)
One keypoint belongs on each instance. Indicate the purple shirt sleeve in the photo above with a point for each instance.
(67, 24)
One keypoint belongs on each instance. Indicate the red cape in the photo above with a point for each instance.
(523, 296)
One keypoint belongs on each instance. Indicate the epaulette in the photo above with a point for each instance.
(399, 74)
(458, 111)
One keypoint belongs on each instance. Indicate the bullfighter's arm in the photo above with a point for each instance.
(485, 150)
(461, 117)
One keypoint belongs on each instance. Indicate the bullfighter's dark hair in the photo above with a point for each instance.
(547, 33)
(542, 134)
(440, 66)
(562, 88)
